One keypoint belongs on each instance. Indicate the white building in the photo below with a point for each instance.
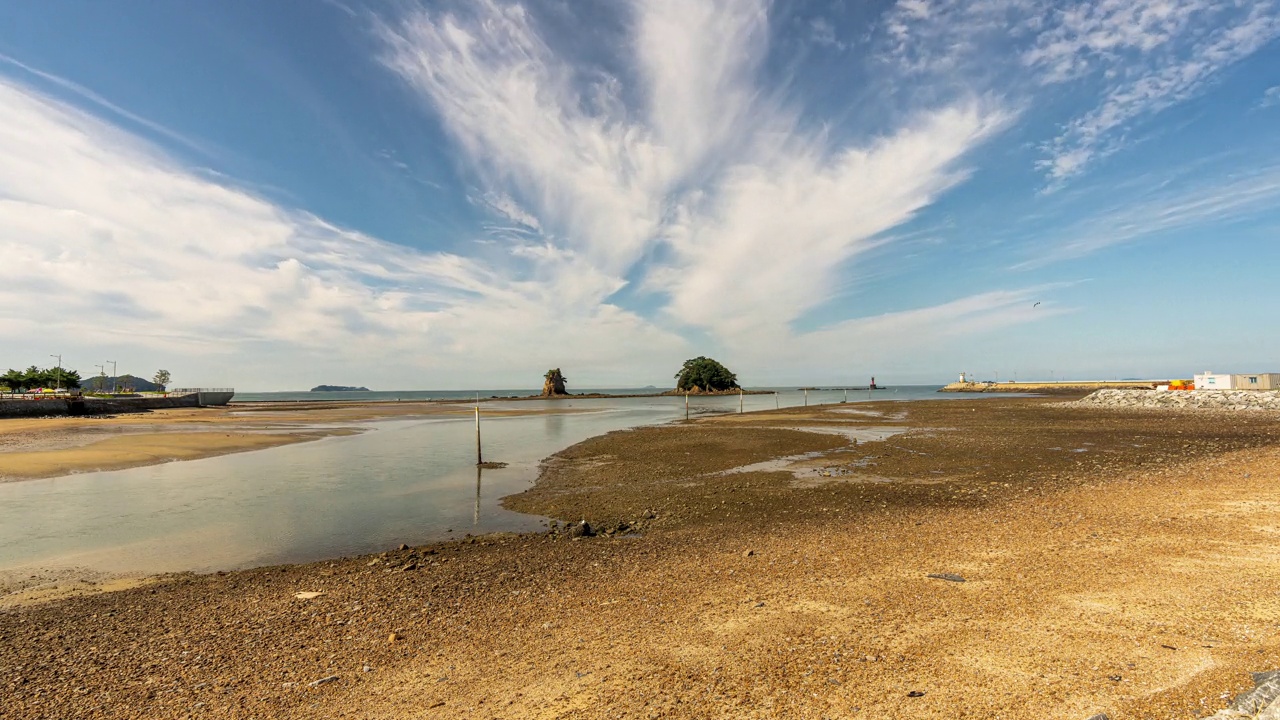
(1213, 381)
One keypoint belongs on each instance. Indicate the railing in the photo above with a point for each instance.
(188, 391)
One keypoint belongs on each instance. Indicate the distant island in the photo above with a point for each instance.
(338, 388)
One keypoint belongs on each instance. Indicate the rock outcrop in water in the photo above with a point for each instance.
(553, 384)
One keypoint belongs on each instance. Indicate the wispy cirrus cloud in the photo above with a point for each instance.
(93, 97)
(1136, 58)
(1152, 54)
(700, 170)
(1211, 202)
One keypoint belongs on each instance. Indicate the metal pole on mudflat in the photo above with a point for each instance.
(806, 397)
(776, 403)
(686, 406)
(739, 401)
(846, 394)
(479, 456)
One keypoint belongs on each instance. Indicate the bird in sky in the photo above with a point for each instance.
(1036, 305)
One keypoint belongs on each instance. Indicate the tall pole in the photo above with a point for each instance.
(806, 397)
(59, 375)
(102, 374)
(475, 518)
(479, 457)
(846, 394)
(114, 380)
(739, 401)
(686, 406)
(776, 405)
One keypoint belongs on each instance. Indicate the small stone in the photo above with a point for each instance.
(1099, 716)
(950, 577)
(323, 681)
(307, 595)
(393, 637)
(748, 553)
(403, 547)
(916, 693)
(409, 566)
(582, 529)
(366, 668)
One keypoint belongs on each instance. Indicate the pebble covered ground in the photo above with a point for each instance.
(1112, 562)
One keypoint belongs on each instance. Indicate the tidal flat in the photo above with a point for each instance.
(1118, 562)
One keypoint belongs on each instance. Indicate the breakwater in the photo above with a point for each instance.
(1182, 400)
(1051, 388)
(47, 407)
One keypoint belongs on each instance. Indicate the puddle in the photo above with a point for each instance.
(782, 464)
(871, 433)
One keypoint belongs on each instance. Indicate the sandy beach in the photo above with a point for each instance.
(1111, 562)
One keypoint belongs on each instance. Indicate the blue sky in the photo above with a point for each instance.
(460, 194)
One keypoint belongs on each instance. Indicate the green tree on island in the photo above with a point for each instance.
(705, 374)
(553, 383)
(161, 380)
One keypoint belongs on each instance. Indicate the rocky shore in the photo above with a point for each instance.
(1182, 400)
(1009, 558)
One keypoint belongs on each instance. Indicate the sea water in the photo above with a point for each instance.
(399, 481)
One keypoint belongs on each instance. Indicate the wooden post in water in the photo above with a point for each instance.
(739, 401)
(806, 398)
(846, 394)
(475, 518)
(776, 406)
(479, 456)
(686, 406)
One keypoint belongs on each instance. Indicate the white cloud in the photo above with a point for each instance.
(1154, 55)
(1135, 58)
(766, 245)
(1270, 97)
(111, 245)
(1214, 201)
(741, 217)
(912, 341)
(822, 32)
(102, 102)
(589, 173)
(699, 180)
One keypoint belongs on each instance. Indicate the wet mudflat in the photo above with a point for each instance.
(1118, 562)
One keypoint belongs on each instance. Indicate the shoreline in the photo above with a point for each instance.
(48, 447)
(1109, 561)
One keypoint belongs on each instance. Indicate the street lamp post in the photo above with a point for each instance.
(102, 374)
(114, 379)
(59, 376)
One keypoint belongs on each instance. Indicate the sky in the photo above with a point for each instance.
(449, 195)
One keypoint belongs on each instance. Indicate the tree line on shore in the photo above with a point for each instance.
(34, 378)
